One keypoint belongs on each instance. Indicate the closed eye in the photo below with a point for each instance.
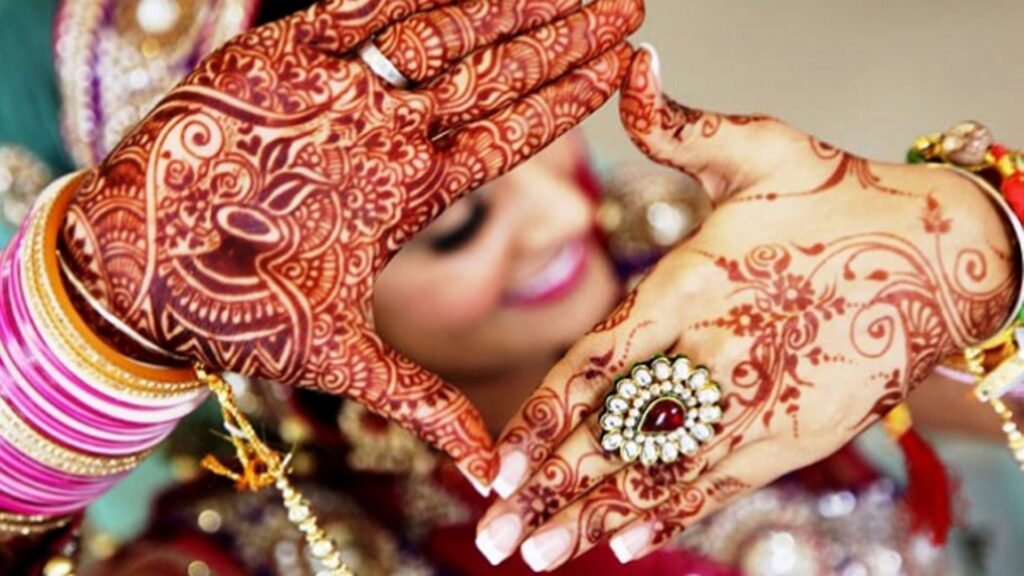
(465, 231)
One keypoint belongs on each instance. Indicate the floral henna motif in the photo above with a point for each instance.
(549, 413)
(690, 503)
(819, 293)
(824, 333)
(423, 45)
(243, 222)
(915, 305)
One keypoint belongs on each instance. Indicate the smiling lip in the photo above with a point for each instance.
(556, 280)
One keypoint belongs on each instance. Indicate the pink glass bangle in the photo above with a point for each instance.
(79, 424)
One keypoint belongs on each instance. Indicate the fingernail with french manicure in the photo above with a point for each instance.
(655, 62)
(498, 539)
(629, 544)
(547, 549)
(481, 489)
(655, 58)
(512, 473)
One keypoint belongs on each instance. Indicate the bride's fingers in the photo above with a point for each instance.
(616, 503)
(570, 472)
(483, 150)
(582, 476)
(725, 153)
(374, 374)
(755, 466)
(427, 43)
(574, 389)
(579, 471)
(337, 26)
(496, 76)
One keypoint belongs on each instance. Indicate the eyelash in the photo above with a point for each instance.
(459, 237)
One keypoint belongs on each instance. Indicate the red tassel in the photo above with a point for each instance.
(929, 493)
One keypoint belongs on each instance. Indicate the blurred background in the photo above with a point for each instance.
(866, 75)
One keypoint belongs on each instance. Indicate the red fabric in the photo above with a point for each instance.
(928, 498)
(452, 549)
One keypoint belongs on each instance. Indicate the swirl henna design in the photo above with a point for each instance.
(813, 327)
(427, 43)
(243, 222)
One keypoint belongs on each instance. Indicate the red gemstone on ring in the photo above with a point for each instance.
(665, 415)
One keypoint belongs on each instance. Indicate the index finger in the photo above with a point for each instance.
(338, 26)
(427, 43)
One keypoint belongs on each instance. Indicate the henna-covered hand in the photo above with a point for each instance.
(819, 292)
(243, 222)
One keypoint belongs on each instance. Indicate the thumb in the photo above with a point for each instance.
(725, 153)
(400, 390)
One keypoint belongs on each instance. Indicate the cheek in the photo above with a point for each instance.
(436, 296)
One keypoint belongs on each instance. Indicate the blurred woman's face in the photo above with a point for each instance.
(509, 276)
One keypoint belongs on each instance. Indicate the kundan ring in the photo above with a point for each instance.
(381, 65)
(662, 410)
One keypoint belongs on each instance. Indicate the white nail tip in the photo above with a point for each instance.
(655, 58)
(620, 550)
(496, 541)
(481, 489)
(626, 545)
(533, 557)
(542, 551)
(489, 549)
(511, 475)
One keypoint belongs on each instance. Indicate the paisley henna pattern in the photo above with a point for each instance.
(243, 222)
(813, 328)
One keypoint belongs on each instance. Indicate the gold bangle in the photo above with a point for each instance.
(67, 331)
(18, 525)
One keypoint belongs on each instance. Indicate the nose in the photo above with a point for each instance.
(553, 210)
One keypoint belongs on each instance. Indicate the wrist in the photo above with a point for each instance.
(1002, 234)
(89, 274)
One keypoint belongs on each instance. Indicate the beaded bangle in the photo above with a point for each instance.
(75, 415)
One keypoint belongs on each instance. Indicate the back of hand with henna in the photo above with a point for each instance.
(817, 294)
(243, 222)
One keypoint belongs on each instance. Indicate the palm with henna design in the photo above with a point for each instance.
(243, 222)
(819, 292)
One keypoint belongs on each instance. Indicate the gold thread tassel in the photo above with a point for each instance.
(263, 467)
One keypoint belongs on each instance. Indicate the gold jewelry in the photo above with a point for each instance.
(75, 341)
(665, 408)
(993, 384)
(263, 467)
(19, 525)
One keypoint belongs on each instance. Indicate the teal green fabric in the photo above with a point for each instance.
(29, 98)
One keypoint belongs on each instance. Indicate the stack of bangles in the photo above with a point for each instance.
(76, 416)
(995, 368)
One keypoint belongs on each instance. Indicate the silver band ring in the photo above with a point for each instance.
(381, 66)
(663, 410)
